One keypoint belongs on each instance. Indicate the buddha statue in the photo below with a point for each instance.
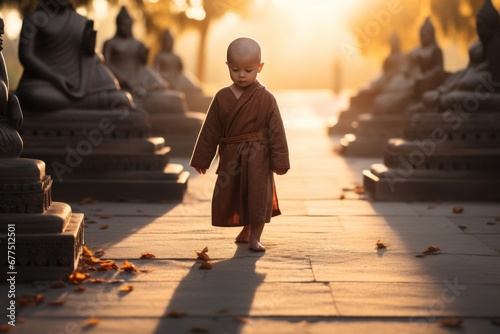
(11, 117)
(171, 68)
(127, 58)
(422, 71)
(460, 90)
(62, 70)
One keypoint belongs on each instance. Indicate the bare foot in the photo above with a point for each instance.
(244, 235)
(256, 246)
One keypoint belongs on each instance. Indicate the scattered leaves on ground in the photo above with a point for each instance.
(342, 196)
(381, 244)
(491, 223)
(199, 329)
(203, 254)
(91, 222)
(222, 311)
(80, 288)
(105, 216)
(147, 256)
(451, 322)
(76, 277)
(458, 209)
(99, 253)
(103, 227)
(176, 314)
(429, 250)
(30, 300)
(129, 267)
(462, 227)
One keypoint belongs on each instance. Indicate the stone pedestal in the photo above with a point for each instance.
(47, 236)
(370, 135)
(343, 123)
(450, 156)
(103, 154)
(178, 126)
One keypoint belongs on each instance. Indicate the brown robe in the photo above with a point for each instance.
(251, 138)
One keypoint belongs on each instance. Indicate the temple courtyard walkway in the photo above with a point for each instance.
(322, 272)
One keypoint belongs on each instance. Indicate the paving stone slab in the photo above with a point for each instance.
(357, 208)
(417, 300)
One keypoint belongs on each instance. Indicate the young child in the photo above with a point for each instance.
(244, 122)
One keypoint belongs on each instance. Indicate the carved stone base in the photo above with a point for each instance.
(138, 186)
(386, 184)
(180, 132)
(103, 156)
(343, 123)
(43, 254)
(24, 186)
(371, 135)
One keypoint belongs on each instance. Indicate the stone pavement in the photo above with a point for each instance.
(322, 272)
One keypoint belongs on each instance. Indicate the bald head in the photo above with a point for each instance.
(244, 47)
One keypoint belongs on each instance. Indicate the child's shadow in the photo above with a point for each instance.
(216, 299)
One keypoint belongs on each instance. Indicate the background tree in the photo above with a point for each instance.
(454, 21)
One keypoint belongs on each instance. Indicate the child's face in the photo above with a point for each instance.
(243, 70)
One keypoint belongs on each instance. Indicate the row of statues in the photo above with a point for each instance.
(449, 145)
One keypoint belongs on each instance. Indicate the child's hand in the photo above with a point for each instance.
(201, 170)
(280, 171)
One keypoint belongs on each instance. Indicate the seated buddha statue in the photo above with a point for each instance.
(421, 71)
(11, 117)
(62, 70)
(466, 88)
(127, 59)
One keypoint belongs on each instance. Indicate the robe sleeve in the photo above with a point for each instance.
(277, 141)
(208, 138)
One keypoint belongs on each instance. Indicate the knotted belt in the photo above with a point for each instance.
(247, 137)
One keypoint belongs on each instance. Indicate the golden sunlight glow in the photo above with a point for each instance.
(13, 23)
(101, 8)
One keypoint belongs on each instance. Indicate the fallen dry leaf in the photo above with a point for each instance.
(5, 328)
(57, 284)
(91, 222)
(458, 209)
(491, 223)
(104, 227)
(462, 227)
(129, 267)
(242, 320)
(203, 254)
(451, 322)
(96, 280)
(80, 288)
(86, 200)
(126, 288)
(86, 251)
(176, 314)
(429, 250)
(77, 277)
(30, 300)
(222, 311)
(100, 252)
(92, 321)
(57, 302)
(199, 329)
(105, 216)
(206, 266)
(359, 190)
(147, 256)
(342, 196)
(381, 244)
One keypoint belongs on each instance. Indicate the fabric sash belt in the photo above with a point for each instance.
(247, 137)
